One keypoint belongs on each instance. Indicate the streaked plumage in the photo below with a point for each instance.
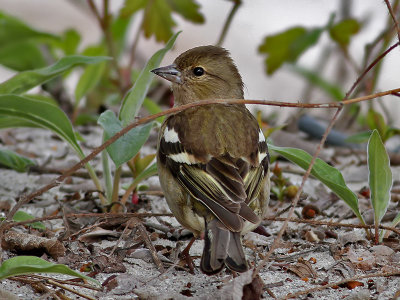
(213, 160)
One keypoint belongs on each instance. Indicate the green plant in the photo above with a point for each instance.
(24, 265)
(380, 180)
(379, 177)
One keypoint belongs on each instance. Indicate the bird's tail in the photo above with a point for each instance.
(222, 247)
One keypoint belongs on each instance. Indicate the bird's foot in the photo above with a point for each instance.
(185, 256)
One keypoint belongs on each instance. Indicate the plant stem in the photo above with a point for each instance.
(107, 174)
(117, 177)
(104, 22)
(228, 21)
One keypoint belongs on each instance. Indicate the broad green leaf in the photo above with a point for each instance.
(327, 174)
(41, 114)
(288, 46)
(19, 44)
(21, 216)
(359, 138)
(13, 122)
(132, 6)
(379, 176)
(316, 79)
(15, 161)
(188, 9)
(157, 16)
(12, 30)
(342, 31)
(26, 80)
(134, 99)
(126, 146)
(21, 56)
(41, 97)
(157, 20)
(22, 265)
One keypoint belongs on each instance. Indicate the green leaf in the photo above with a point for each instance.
(21, 56)
(89, 80)
(21, 265)
(157, 20)
(70, 41)
(19, 44)
(390, 132)
(15, 161)
(359, 138)
(28, 79)
(91, 76)
(119, 30)
(148, 172)
(21, 216)
(316, 79)
(126, 146)
(376, 121)
(188, 9)
(132, 6)
(153, 108)
(396, 220)
(379, 176)
(157, 16)
(134, 99)
(327, 174)
(41, 114)
(342, 32)
(41, 97)
(12, 30)
(288, 46)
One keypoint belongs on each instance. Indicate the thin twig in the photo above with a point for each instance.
(228, 21)
(127, 226)
(297, 197)
(52, 282)
(394, 18)
(331, 224)
(331, 285)
(89, 215)
(150, 246)
(370, 66)
(69, 281)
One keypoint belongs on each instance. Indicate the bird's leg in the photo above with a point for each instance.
(186, 256)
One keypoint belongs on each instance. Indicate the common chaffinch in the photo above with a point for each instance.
(213, 160)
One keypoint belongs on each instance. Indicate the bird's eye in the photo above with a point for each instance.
(198, 71)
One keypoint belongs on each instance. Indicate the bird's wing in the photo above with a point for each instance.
(225, 185)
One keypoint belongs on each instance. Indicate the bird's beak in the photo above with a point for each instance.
(170, 73)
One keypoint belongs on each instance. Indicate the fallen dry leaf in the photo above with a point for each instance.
(303, 269)
(352, 284)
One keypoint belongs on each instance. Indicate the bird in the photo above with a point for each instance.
(213, 160)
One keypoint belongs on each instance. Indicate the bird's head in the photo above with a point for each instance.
(206, 72)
